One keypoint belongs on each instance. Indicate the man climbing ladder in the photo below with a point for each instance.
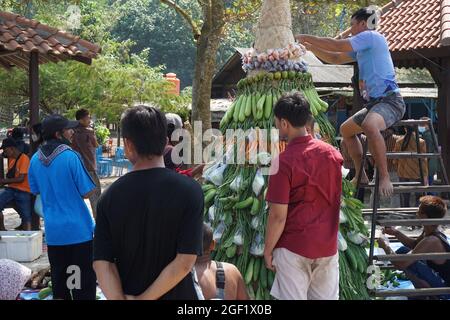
(378, 87)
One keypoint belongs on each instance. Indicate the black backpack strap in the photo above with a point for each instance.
(11, 174)
(220, 281)
(443, 238)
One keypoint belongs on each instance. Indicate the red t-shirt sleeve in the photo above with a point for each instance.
(280, 185)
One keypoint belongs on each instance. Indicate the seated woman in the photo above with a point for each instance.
(431, 273)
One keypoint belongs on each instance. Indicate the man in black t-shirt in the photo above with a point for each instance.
(149, 222)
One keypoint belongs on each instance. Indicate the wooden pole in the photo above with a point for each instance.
(34, 115)
(444, 112)
(34, 91)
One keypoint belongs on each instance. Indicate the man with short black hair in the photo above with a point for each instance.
(149, 222)
(85, 143)
(378, 86)
(304, 197)
(17, 188)
(58, 175)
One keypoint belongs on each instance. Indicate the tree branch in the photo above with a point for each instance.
(195, 30)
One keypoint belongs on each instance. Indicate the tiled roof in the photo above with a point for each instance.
(19, 36)
(415, 24)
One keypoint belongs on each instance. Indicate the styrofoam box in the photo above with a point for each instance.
(20, 246)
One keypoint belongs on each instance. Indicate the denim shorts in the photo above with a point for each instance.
(22, 200)
(392, 108)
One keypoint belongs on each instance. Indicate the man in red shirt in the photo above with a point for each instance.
(304, 197)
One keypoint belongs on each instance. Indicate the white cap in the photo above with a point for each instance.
(173, 118)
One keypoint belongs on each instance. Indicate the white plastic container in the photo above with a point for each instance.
(20, 246)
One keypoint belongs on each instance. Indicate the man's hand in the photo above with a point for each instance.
(268, 258)
(302, 38)
(308, 46)
(382, 244)
(390, 231)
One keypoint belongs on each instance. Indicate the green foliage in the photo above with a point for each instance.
(102, 133)
(116, 80)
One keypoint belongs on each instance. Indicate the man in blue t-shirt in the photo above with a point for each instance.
(59, 176)
(377, 84)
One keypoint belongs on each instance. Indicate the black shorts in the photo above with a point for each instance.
(65, 261)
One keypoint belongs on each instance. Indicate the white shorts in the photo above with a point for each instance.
(300, 278)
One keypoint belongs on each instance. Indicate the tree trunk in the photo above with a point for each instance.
(205, 64)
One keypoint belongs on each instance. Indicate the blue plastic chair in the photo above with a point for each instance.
(120, 162)
(104, 165)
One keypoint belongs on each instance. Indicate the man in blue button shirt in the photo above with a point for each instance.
(59, 176)
(377, 84)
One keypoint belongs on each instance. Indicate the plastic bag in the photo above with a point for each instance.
(238, 238)
(258, 183)
(212, 213)
(342, 244)
(357, 238)
(257, 247)
(38, 206)
(216, 176)
(236, 184)
(342, 217)
(264, 158)
(256, 222)
(218, 233)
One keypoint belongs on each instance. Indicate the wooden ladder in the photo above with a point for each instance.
(378, 215)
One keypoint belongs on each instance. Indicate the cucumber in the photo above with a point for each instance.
(254, 105)
(263, 275)
(352, 259)
(243, 108)
(256, 268)
(207, 187)
(259, 294)
(244, 204)
(268, 106)
(270, 278)
(209, 196)
(237, 108)
(248, 107)
(231, 251)
(261, 102)
(249, 272)
(255, 207)
(44, 293)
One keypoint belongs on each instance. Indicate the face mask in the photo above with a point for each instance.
(34, 137)
(421, 129)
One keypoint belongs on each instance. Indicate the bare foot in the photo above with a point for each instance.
(364, 179)
(386, 187)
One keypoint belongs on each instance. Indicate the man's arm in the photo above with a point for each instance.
(404, 239)
(426, 246)
(327, 44)
(330, 57)
(89, 194)
(275, 226)
(172, 274)
(109, 280)
(18, 179)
